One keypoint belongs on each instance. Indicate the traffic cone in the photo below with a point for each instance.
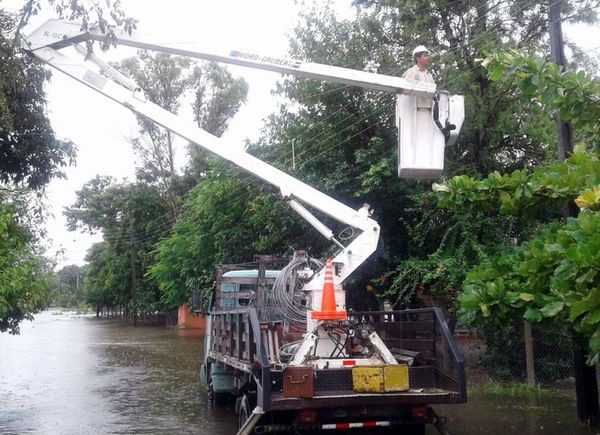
(328, 307)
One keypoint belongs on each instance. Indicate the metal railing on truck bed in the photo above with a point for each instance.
(419, 338)
(238, 342)
(422, 339)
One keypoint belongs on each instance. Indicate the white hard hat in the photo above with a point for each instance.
(419, 49)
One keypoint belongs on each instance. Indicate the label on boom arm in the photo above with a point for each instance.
(266, 59)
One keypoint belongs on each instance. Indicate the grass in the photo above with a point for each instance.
(516, 389)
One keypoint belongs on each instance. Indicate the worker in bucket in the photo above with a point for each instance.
(419, 72)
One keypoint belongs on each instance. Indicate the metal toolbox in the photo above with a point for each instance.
(298, 381)
(380, 379)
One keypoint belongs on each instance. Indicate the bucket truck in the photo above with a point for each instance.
(279, 340)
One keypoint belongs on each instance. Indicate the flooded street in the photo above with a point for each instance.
(67, 374)
(74, 375)
(496, 414)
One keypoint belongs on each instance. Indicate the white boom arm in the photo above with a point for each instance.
(422, 132)
(421, 144)
(124, 91)
(58, 34)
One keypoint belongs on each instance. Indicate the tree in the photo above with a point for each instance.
(30, 154)
(23, 272)
(106, 278)
(102, 204)
(550, 276)
(227, 218)
(107, 17)
(67, 286)
(218, 96)
(132, 218)
(167, 80)
(458, 34)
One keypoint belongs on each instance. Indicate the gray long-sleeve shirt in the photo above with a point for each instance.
(417, 74)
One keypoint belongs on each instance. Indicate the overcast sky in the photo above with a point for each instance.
(100, 127)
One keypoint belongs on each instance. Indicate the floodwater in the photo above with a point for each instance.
(67, 374)
(497, 414)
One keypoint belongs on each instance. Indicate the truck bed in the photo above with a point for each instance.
(436, 371)
(333, 388)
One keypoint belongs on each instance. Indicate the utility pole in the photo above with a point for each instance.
(586, 384)
(563, 129)
(133, 276)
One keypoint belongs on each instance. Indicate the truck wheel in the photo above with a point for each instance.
(243, 411)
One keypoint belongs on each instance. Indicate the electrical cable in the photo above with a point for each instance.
(288, 299)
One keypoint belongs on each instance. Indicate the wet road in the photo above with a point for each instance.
(74, 375)
(493, 414)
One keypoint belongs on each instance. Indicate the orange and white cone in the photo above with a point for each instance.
(328, 306)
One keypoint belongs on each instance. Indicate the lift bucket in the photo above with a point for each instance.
(421, 143)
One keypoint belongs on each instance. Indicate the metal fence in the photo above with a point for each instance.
(538, 355)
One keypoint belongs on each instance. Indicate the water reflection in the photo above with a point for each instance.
(67, 374)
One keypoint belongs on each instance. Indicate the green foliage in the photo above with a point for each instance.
(226, 219)
(167, 81)
(444, 246)
(552, 276)
(520, 192)
(345, 138)
(218, 96)
(575, 95)
(107, 277)
(31, 155)
(132, 217)
(23, 273)
(67, 287)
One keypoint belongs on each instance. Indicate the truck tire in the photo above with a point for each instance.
(244, 411)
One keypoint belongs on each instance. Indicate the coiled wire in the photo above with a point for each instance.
(288, 301)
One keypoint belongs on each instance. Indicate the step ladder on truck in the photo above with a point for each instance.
(279, 339)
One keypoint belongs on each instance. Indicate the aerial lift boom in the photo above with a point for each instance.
(54, 35)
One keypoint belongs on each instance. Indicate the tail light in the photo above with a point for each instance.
(419, 411)
(308, 416)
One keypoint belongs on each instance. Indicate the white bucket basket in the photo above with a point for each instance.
(421, 143)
